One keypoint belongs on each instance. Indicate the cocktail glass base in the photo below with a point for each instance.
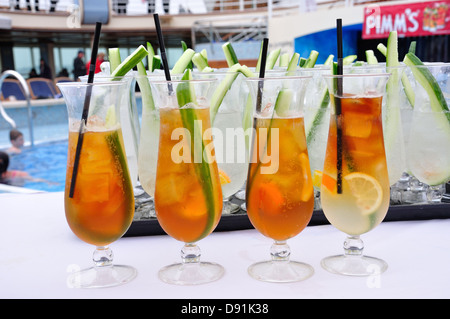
(191, 273)
(353, 262)
(354, 265)
(102, 277)
(280, 271)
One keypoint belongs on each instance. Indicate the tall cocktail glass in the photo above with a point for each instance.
(229, 135)
(188, 195)
(102, 206)
(428, 151)
(149, 140)
(279, 193)
(395, 105)
(355, 183)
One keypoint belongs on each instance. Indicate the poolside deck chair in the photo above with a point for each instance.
(11, 89)
(42, 88)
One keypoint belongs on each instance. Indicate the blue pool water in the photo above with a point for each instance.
(47, 158)
(44, 161)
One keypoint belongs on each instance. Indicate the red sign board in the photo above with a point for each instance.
(412, 19)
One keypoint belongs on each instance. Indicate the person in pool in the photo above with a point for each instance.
(17, 141)
(14, 177)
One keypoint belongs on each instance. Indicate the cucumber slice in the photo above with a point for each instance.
(204, 53)
(302, 62)
(392, 126)
(115, 146)
(199, 61)
(272, 59)
(283, 102)
(409, 91)
(284, 60)
(258, 64)
(412, 47)
(370, 57)
(311, 127)
(130, 62)
(151, 54)
(183, 62)
(349, 59)
(114, 58)
(429, 83)
(144, 87)
(392, 50)
(186, 94)
(311, 61)
(230, 55)
(293, 63)
(185, 91)
(208, 69)
(329, 60)
(185, 47)
(382, 48)
(246, 71)
(222, 89)
(156, 63)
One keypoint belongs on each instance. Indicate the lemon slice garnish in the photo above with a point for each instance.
(317, 178)
(367, 191)
(224, 178)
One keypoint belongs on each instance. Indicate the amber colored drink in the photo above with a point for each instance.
(280, 203)
(188, 204)
(102, 207)
(363, 200)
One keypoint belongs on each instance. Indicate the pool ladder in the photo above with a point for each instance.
(8, 119)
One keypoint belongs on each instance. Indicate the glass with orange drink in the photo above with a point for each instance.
(279, 194)
(355, 184)
(98, 199)
(188, 195)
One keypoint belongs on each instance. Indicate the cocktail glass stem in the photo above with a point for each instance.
(353, 246)
(190, 253)
(103, 256)
(280, 251)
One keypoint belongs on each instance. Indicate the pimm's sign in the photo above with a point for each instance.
(412, 19)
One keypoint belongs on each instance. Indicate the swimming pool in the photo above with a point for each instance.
(45, 161)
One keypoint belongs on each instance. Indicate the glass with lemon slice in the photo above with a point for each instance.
(355, 188)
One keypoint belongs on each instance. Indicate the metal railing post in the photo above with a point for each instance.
(22, 81)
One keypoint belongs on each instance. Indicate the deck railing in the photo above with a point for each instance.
(140, 7)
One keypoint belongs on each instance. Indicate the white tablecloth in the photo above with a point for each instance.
(38, 251)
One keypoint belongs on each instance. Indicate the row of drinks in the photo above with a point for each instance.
(282, 135)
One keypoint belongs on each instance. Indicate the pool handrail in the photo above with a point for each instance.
(25, 88)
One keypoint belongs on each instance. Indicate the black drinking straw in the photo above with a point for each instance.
(339, 93)
(87, 101)
(162, 48)
(262, 71)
